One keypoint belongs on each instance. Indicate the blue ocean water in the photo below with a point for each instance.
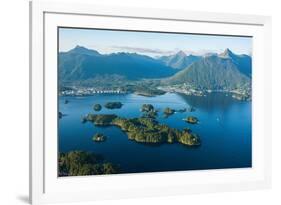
(224, 129)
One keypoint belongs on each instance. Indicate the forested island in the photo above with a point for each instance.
(149, 111)
(146, 130)
(147, 91)
(79, 163)
(113, 105)
(97, 107)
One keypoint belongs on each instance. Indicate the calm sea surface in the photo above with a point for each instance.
(224, 129)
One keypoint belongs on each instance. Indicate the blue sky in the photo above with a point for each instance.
(148, 43)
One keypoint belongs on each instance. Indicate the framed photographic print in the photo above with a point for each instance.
(145, 102)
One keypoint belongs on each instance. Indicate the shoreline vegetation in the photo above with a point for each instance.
(81, 163)
(145, 130)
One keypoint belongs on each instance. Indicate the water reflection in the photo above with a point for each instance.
(211, 102)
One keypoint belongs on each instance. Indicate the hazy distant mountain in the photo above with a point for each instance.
(179, 60)
(82, 50)
(224, 71)
(81, 63)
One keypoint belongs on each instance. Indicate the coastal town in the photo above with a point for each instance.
(242, 94)
(84, 91)
(239, 94)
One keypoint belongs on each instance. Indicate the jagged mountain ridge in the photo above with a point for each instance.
(179, 60)
(215, 72)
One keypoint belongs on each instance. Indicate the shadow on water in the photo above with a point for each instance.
(213, 101)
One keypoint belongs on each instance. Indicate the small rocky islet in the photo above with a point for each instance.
(97, 107)
(168, 111)
(113, 105)
(99, 137)
(60, 115)
(191, 120)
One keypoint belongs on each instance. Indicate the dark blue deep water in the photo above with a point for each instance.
(224, 129)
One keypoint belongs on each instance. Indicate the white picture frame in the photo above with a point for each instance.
(46, 187)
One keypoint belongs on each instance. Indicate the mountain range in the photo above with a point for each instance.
(214, 72)
(81, 63)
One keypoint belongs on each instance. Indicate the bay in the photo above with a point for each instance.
(224, 128)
